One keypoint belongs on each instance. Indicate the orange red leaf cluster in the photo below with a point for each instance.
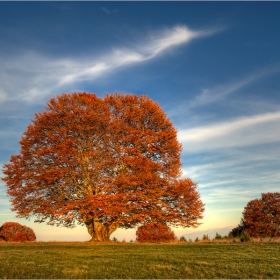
(14, 232)
(155, 232)
(261, 217)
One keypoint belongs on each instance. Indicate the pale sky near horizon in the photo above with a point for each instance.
(213, 67)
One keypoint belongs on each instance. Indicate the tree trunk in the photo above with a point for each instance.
(98, 231)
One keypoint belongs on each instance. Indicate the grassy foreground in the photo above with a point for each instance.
(122, 261)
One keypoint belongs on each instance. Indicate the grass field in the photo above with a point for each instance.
(123, 261)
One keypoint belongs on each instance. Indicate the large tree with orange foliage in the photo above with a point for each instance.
(261, 217)
(105, 163)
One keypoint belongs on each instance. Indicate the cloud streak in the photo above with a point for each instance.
(31, 75)
(152, 48)
(109, 12)
(254, 130)
(219, 95)
(219, 92)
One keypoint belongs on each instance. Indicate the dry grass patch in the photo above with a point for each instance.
(139, 261)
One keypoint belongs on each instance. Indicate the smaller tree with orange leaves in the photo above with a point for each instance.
(261, 217)
(155, 232)
(14, 232)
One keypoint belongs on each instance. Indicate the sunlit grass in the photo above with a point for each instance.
(130, 260)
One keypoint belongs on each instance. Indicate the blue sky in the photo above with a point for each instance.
(213, 67)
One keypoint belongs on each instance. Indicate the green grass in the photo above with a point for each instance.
(123, 261)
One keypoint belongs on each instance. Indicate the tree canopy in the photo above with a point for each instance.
(105, 163)
(155, 232)
(14, 232)
(261, 217)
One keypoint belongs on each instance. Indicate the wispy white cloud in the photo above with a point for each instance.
(31, 76)
(120, 57)
(226, 175)
(240, 158)
(3, 95)
(247, 131)
(230, 194)
(219, 92)
(109, 12)
(170, 38)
